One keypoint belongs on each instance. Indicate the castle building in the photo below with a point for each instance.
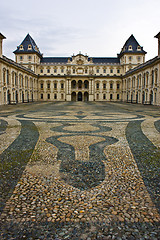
(32, 77)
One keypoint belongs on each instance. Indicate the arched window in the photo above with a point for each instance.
(7, 77)
(152, 78)
(97, 85)
(48, 85)
(156, 76)
(111, 85)
(4, 76)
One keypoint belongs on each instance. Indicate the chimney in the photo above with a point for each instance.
(1, 41)
(158, 36)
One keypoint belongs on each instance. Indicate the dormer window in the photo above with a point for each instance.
(130, 48)
(29, 47)
(138, 48)
(21, 47)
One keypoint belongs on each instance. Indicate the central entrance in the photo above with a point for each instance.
(79, 97)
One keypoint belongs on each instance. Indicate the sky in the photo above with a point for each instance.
(98, 28)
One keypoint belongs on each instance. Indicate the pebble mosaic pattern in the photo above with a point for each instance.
(80, 171)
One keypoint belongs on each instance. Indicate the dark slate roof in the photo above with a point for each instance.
(54, 59)
(2, 36)
(131, 42)
(28, 41)
(158, 35)
(105, 60)
(95, 60)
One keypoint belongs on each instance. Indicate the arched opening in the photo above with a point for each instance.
(151, 97)
(8, 97)
(73, 97)
(131, 98)
(22, 97)
(143, 98)
(86, 96)
(137, 98)
(16, 97)
(79, 98)
(86, 84)
(73, 84)
(79, 84)
(27, 97)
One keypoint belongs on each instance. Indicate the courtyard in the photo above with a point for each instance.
(79, 170)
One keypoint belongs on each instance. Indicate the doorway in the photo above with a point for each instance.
(79, 96)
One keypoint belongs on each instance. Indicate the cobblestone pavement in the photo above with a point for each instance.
(79, 171)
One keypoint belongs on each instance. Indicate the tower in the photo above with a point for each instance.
(158, 36)
(131, 55)
(1, 42)
(28, 54)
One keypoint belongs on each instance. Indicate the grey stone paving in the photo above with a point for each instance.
(79, 171)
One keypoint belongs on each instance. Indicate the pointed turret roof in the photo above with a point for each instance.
(28, 45)
(2, 36)
(132, 46)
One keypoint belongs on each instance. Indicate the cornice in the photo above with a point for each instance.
(8, 61)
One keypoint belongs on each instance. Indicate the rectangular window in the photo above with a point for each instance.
(55, 70)
(41, 95)
(55, 96)
(97, 85)
(55, 85)
(117, 96)
(29, 57)
(48, 70)
(111, 96)
(48, 85)
(21, 57)
(86, 70)
(62, 85)
(41, 85)
(104, 70)
(117, 85)
(97, 70)
(118, 70)
(62, 70)
(41, 70)
(104, 85)
(139, 59)
(111, 70)
(74, 71)
(48, 96)
(111, 85)
(104, 96)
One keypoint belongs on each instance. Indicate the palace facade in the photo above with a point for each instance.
(32, 77)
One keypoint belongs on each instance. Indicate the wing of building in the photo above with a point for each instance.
(32, 77)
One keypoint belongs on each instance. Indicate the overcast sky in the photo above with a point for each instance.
(96, 27)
